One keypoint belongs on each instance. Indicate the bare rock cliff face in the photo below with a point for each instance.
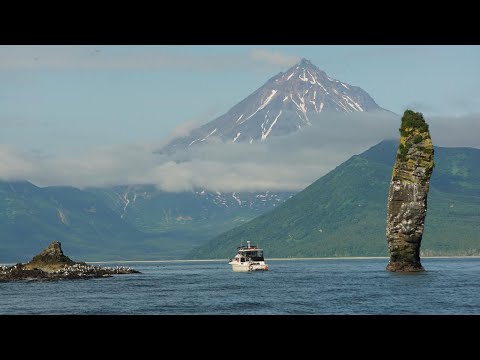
(52, 258)
(407, 197)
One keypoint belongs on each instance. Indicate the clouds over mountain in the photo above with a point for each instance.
(285, 163)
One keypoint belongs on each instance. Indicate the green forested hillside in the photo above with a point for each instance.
(121, 222)
(31, 217)
(344, 212)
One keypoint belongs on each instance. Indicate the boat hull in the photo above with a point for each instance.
(248, 266)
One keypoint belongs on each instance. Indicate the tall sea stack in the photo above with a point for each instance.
(407, 196)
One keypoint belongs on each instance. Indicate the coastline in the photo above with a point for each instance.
(280, 259)
(267, 259)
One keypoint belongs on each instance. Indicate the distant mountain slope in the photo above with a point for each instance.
(344, 212)
(286, 103)
(195, 215)
(31, 217)
(123, 222)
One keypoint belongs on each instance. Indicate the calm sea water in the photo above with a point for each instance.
(450, 286)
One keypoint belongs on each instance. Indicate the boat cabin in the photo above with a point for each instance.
(249, 253)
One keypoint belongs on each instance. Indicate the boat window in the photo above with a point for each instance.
(242, 259)
(257, 256)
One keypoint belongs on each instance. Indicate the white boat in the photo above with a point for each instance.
(248, 258)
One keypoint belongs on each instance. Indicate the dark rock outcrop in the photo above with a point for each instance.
(407, 197)
(50, 258)
(52, 264)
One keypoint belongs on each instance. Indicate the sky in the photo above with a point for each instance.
(91, 115)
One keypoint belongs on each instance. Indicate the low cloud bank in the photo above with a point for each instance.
(283, 163)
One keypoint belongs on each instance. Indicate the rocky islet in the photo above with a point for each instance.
(53, 264)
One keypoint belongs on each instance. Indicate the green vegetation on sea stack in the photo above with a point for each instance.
(344, 212)
(412, 120)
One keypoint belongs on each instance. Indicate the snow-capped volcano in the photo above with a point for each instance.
(286, 103)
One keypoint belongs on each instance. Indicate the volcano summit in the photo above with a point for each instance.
(285, 104)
